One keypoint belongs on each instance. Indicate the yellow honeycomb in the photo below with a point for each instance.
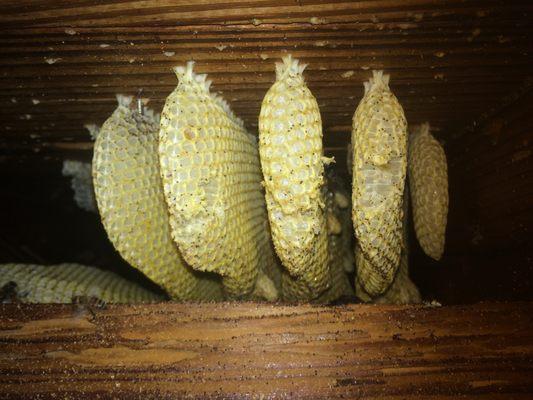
(64, 282)
(129, 193)
(428, 180)
(290, 146)
(379, 139)
(402, 289)
(212, 184)
(340, 253)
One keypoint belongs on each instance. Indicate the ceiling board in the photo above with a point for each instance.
(62, 62)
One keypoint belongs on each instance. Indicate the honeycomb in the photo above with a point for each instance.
(212, 184)
(290, 146)
(340, 254)
(81, 182)
(129, 193)
(62, 283)
(402, 289)
(379, 138)
(428, 180)
(81, 179)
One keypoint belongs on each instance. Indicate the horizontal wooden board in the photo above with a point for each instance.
(267, 351)
(62, 62)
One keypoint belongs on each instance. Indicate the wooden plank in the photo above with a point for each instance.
(498, 155)
(450, 61)
(223, 12)
(250, 350)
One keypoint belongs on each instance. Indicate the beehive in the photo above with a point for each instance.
(464, 66)
(379, 140)
(212, 183)
(290, 145)
(428, 180)
(130, 200)
(402, 290)
(65, 283)
(339, 248)
(81, 183)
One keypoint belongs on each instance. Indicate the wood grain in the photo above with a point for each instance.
(450, 61)
(266, 351)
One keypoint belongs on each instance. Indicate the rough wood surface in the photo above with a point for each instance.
(63, 62)
(264, 351)
(498, 154)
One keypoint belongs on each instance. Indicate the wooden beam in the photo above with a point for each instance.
(250, 350)
(63, 61)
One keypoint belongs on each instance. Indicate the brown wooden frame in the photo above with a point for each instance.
(250, 350)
